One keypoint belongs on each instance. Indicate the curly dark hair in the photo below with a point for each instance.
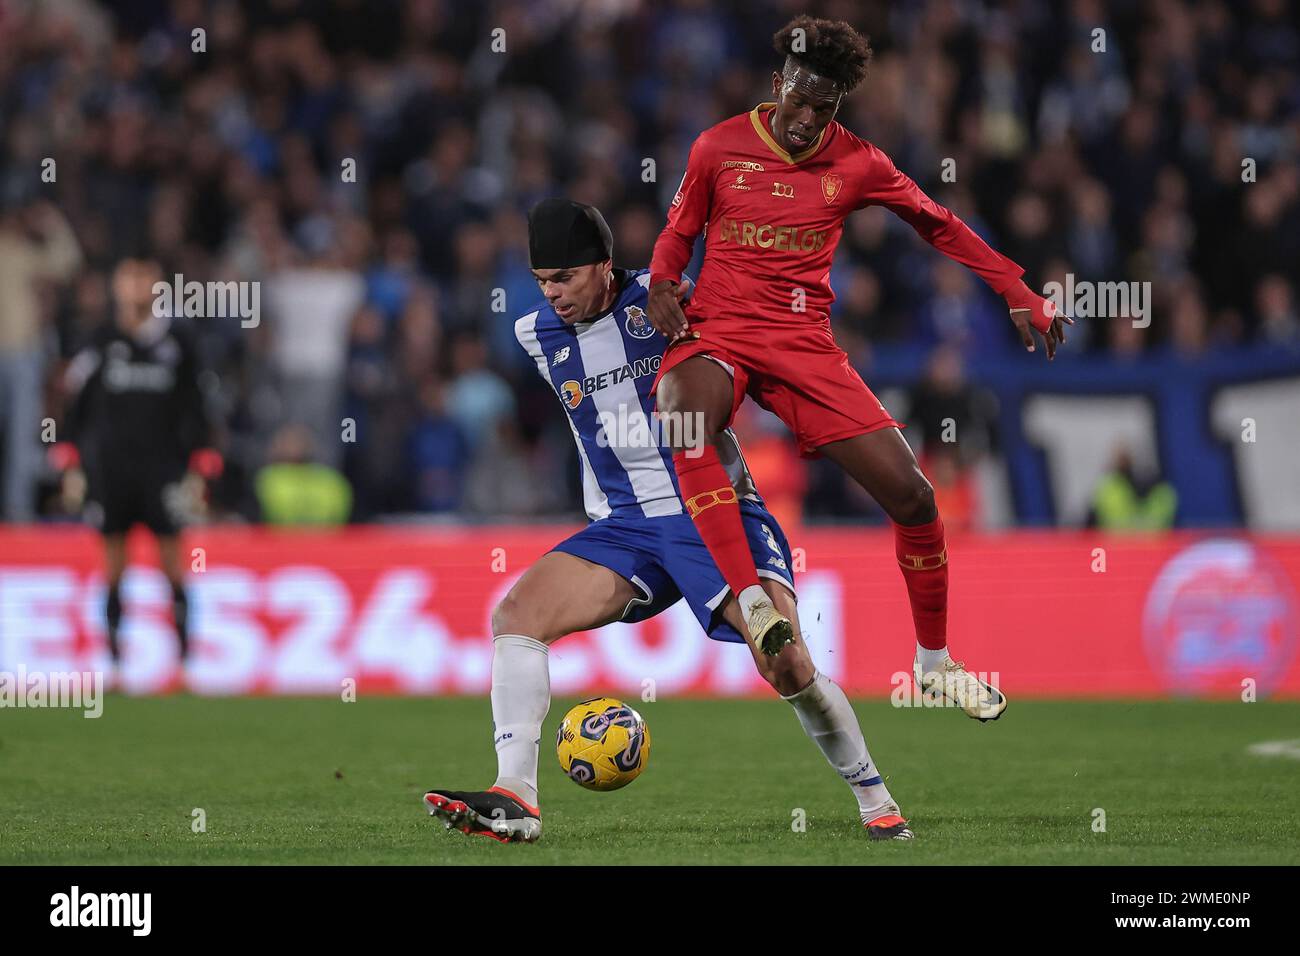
(829, 48)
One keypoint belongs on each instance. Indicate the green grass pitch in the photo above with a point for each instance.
(322, 781)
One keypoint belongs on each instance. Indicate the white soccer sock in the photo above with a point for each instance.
(521, 696)
(749, 597)
(829, 720)
(931, 661)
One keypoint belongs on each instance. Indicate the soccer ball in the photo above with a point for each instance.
(603, 744)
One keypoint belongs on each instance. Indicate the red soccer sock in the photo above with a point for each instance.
(923, 556)
(712, 504)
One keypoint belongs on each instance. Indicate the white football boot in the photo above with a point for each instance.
(978, 698)
(769, 629)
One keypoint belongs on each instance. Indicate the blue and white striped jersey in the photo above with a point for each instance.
(602, 371)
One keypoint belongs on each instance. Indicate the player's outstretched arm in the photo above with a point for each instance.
(886, 185)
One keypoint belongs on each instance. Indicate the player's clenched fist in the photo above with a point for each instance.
(1031, 310)
(664, 306)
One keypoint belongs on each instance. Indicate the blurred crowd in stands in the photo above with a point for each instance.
(388, 301)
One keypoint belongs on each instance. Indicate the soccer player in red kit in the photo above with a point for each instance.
(771, 189)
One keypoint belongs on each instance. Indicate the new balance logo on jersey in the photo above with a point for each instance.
(561, 355)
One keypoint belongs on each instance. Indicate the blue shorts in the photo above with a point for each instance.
(665, 560)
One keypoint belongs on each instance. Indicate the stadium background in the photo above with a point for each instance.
(1169, 157)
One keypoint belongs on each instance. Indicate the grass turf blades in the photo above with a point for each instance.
(317, 781)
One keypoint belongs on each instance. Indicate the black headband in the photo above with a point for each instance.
(563, 234)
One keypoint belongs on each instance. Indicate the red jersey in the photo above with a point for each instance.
(772, 220)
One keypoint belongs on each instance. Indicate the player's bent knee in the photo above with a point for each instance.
(511, 617)
(917, 505)
(520, 615)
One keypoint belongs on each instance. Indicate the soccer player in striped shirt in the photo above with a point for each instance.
(640, 554)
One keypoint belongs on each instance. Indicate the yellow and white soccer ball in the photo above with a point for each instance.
(603, 744)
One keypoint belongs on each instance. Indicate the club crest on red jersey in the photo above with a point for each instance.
(831, 183)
